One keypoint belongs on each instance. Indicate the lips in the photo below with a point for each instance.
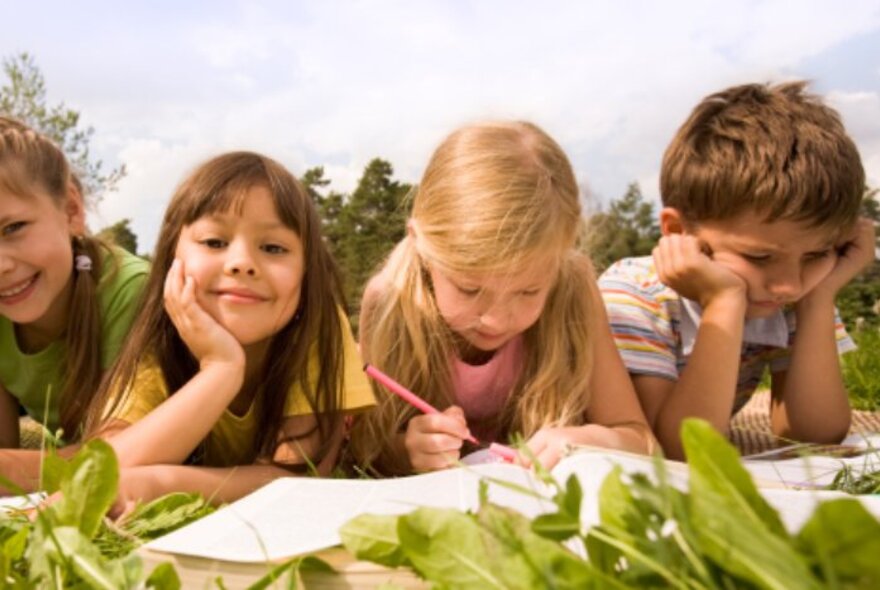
(18, 291)
(240, 295)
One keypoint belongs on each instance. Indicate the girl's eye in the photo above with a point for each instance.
(213, 243)
(468, 292)
(13, 227)
(529, 292)
(274, 249)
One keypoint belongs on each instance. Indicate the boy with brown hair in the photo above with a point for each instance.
(761, 190)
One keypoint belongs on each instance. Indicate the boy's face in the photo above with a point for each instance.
(780, 261)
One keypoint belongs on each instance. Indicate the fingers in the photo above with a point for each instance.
(434, 441)
(547, 447)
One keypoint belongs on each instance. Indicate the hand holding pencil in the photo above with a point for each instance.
(434, 440)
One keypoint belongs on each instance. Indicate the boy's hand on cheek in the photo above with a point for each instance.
(433, 441)
(855, 254)
(204, 336)
(682, 265)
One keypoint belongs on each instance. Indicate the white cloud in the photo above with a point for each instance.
(339, 83)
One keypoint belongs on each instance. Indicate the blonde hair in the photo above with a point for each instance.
(30, 161)
(495, 196)
(774, 150)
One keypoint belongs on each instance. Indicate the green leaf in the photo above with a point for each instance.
(737, 528)
(373, 538)
(521, 558)
(445, 546)
(69, 546)
(165, 514)
(843, 540)
(53, 470)
(163, 577)
(89, 488)
(558, 526)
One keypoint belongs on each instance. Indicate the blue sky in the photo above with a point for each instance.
(168, 84)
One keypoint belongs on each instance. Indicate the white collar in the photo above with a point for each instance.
(770, 331)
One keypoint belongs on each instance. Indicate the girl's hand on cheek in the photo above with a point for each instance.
(683, 264)
(433, 441)
(204, 336)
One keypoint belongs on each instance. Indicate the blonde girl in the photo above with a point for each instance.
(66, 300)
(241, 363)
(487, 309)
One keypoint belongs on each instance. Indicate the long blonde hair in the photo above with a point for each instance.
(493, 197)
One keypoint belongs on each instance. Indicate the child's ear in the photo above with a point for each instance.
(671, 221)
(75, 209)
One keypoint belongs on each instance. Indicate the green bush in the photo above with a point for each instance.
(861, 371)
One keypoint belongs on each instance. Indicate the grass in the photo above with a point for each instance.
(861, 371)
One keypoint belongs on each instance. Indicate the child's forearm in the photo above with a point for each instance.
(217, 484)
(707, 385)
(171, 431)
(813, 405)
(22, 468)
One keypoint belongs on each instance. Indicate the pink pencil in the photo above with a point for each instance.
(404, 393)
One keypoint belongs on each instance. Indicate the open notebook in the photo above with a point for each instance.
(295, 516)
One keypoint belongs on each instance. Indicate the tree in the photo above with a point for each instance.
(629, 228)
(120, 233)
(24, 98)
(372, 221)
(362, 228)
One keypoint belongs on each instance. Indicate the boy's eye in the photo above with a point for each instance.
(757, 258)
(468, 292)
(274, 249)
(818, 255)
(13, 227)
(529, 292)
(213, 243)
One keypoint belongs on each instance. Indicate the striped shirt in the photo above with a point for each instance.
(648, 318)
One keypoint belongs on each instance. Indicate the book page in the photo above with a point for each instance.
(592, 465)
(292, 516)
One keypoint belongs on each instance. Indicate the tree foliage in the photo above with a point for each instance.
(363, 227)
(120, 233)
(628, 228)
(24, 98)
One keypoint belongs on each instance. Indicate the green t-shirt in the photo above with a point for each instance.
(29, 377)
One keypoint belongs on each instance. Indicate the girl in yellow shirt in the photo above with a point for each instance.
(241, 366)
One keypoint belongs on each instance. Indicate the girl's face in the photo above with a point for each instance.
(487, 310)
(36, 260)
(248, 267)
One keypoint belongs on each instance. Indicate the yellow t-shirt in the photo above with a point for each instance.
(231, 441)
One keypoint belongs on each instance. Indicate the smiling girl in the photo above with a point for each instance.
(241, 364)
(66, 300)
(487, 309)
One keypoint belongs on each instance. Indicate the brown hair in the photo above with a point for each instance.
(29, 161)
(315, 329)
(773, 150)
(493, 197)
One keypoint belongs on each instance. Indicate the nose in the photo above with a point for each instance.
(496, 317)
(6, 263)
(785, 284)
(240, 261)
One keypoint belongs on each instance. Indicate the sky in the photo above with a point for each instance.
(168, 84)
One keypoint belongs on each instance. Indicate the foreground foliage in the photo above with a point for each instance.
(72, 544)
(720, 535)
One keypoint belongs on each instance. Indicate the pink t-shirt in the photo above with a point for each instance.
(482, 390)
